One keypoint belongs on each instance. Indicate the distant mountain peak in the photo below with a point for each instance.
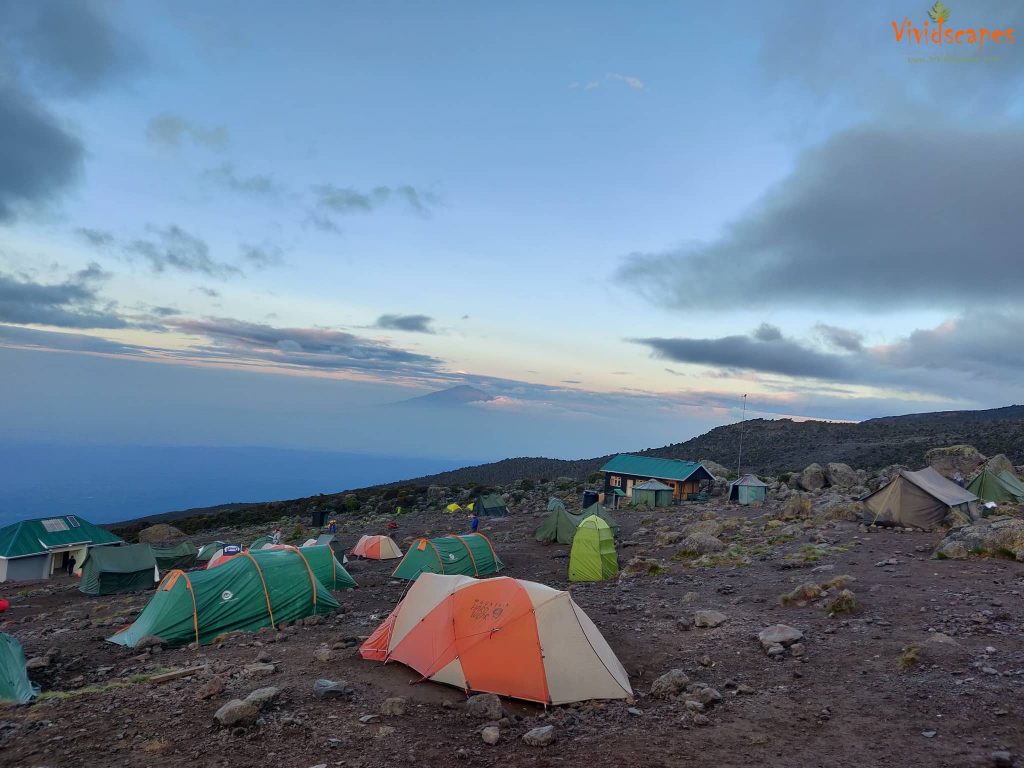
(461, 394)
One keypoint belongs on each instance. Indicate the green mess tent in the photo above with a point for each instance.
(14, 682)
(593, 557)
(245, 594)
(559, 525)
(182, 556)
(325, 566)
(209, 550)
(467, 555)
(489, 505)
(110, 570)
(598, 511)
(1003, 488)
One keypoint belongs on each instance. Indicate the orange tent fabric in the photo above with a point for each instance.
(502, 635)
(376, 548)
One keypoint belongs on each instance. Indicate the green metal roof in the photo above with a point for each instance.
(647, 466)
(35, 537)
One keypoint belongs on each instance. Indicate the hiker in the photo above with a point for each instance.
(277, 536)
(4, 605)
(474, 521)
(958, 479)
(71, 566)
(333, 527)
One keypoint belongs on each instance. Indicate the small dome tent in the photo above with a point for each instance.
(376, 548)
(559, 525)
(593, 556)
(14, 682)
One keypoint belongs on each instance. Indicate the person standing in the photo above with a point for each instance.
(71, 565)
(277, 536)
(333, 527)
(474, 522)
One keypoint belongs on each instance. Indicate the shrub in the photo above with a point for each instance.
(844, 602)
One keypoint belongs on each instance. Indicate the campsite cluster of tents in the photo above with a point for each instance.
(592, 535)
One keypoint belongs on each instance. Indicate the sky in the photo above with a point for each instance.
(256, 223)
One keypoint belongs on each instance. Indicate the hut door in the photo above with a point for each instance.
(629, 488)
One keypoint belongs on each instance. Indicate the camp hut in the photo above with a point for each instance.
(251, 591)
(489, 505)
(593, 557)
(467, 555)
(36, 549)
(110, 570)
(376, 548)
(207, 551)
(652, 493)
(14, 682)
(487, 636)
(599, 511)
(747, 490)
(183, 555)
(559, 525)
(923, 499)
(624, 472)
(1002, 488)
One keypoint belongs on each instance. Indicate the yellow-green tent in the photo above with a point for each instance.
(593, 557)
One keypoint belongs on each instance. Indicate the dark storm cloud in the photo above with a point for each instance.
(39, 158)
(411, 323)
(875, 217)
(172, 248)
(70, 304)
(172, 131)
(256, 185)
(330, 201)
(313, 348)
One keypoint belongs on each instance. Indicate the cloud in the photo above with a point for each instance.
(258, 185)
(330, 201)
(175, 249)
(876, 217)
(843, 338)
(70, 304)
(170, 130)
(611, 77)
(262, 256)
(13, 335)
(208, 292)
(69, 48)
(767, 332)
(98, 238)
(411, 323)
(39, 158)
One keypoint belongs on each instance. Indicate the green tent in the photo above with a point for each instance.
(109, 570)
(593, 557)
(325, 566)
(182, 556)
(652, 493)
(261, 542)
(490, 505)
(1002, 488)
(1014, 483)
(559, 525)
(245, 594)
(14, 682)
(207, 551)
(467, 555)
(599, 511)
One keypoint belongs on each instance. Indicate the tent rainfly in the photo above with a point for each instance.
(489, 505)
(600, 511)
(652, 493)
(183, 555)
(208, 550)
(559, 525)
(923, 499)
(593, 557)
(245, 594)
(467, 555)
(1003, 488)
(376, 548)
(748, 489)
(262, 542)
(14, 682)
(110, 570)
(505, 636)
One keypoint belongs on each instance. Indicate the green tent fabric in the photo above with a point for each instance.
(1014, 483)
(207, 551)
(998, 488)
(467, 555)
(245, 594)
(599, 511)
(559, 526)
(261, 542)
(14, 682)
(110, 570)
(182, 555)
(490, 505)
(593, 557)
(325, 566)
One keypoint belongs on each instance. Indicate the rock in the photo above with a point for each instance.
(329, 689)
(260, 669)
(775, 651)
(812, 478)
(705, 527)
(539, 737)
(159, 534)
(484, 706)
(1000, 463)
(669, 684)
(367, 719)
(150, 641)
(709, 618)
(237, 714)
(323, 654)
(700, 544)
(999, 538)
(841, 475)
(38, 662)
(797, 650)
(667, 538)
(779, 634)
(490, 735)
(715, 468)
(642, 566)
(263, 696)
(1001, 758)
(436, 492)
(634, 711)
(393, 706)
(929, 734)
(947, 461)
(213, 687)
(698, 719)
(709, 697)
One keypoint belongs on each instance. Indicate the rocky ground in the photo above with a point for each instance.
(897, 659)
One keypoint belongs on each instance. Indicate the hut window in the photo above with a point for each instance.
(615, 481)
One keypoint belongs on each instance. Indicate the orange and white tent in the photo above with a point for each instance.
(376, 548)
(502, 635)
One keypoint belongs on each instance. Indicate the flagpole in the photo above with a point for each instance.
(739, 458)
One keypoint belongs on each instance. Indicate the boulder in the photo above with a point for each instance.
(393, 706)
(700, 544)
(484, 706)
(714, 468)
(667, 538)
(323, 654)
(539, 737)
(709, 619)
(329, 689)
(490, 735)
(947, 461)
(812, 478)
(669, 684)
(237, 714)
(706, 527)
(841, 475)
(996, 537)
(159, 534)
(263, 696)
(150, 641)
(779, 634)
(1000, 463)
